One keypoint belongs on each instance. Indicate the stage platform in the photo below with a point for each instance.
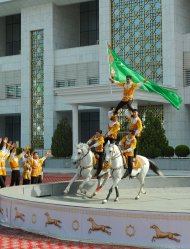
(164, 211)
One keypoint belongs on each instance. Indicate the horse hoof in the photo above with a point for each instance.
(65, 192)
(116, 200)
(104, 201)
(94, 194)
(137, 197)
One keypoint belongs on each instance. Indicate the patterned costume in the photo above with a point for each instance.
(26, 172)
(129, 144)
(135, 124)
(113, 128)
(14, 164)
(36, 165)
(128, 92)
(98, 142)
(4, 154)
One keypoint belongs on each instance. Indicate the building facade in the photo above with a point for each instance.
(53, 64)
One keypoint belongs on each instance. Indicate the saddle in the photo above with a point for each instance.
(136, 164)
(106, 166)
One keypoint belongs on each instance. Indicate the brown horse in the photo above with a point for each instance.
(19, 215)
(95, 227)
(51, 221)
(162, 235)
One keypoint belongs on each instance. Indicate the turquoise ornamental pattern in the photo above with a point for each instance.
(37, 87)
(137, 35)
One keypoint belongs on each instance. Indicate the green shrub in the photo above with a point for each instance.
(168, 151)
(182, 150)
(62, 140)
(151, 152)
(19, 150)
(153, 141)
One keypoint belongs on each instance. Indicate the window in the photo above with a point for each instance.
(93, 81)
(89, 23)
(65, 83)
(13, 91)
(13, 34)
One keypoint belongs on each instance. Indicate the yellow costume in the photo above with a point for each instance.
(135, 124)
(4, 154)
(113, 127)
(14, 160)
(128, 89)
(27, 170)
(99, 142)
(129, 144)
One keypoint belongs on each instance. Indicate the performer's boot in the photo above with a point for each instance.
(125, 174)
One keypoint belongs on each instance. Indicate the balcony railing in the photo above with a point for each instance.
(10, 91)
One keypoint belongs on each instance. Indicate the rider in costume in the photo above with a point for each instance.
(97, 142)
(128, 143)
(113, 128)
(129, 88)
(135, 124)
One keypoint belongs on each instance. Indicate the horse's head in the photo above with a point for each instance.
(153, 227)
(81, 150)
(90, 219)
(110, 152)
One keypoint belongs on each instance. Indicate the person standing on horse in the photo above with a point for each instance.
(128, 143)
(97, 142)
(113, 128)
(129, 88)
(135, 124)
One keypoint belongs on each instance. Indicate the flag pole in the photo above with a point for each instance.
(109, 70)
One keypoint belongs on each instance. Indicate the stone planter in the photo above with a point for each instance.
(173, 163)
(58, 163)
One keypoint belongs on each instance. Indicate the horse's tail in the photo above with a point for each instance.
(155, 169)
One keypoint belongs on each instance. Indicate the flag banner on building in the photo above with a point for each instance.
(119, 70)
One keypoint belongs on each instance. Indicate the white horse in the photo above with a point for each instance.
(85, 160)
(114, 155)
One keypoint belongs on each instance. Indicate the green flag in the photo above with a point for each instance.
(119, 70)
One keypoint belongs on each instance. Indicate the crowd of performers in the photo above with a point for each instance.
(32, 164)
(128, 143)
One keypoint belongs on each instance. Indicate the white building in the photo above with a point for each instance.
(53, 64)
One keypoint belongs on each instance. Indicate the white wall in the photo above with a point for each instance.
(176, 22)
(35, 18)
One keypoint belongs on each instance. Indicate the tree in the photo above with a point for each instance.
(62, 140)
(153, 141)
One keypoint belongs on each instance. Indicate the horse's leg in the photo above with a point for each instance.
(100, 185)
(83, 183)
(117, 193)
(108, 196)
(115, 184)
(141, 180)
(70, 183)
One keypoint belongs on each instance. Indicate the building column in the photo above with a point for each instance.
(104, 119)
(75, 126)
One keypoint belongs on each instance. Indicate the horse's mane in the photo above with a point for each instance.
(80, 145)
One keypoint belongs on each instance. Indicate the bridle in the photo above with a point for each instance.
(115, 156)
(81, 158)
